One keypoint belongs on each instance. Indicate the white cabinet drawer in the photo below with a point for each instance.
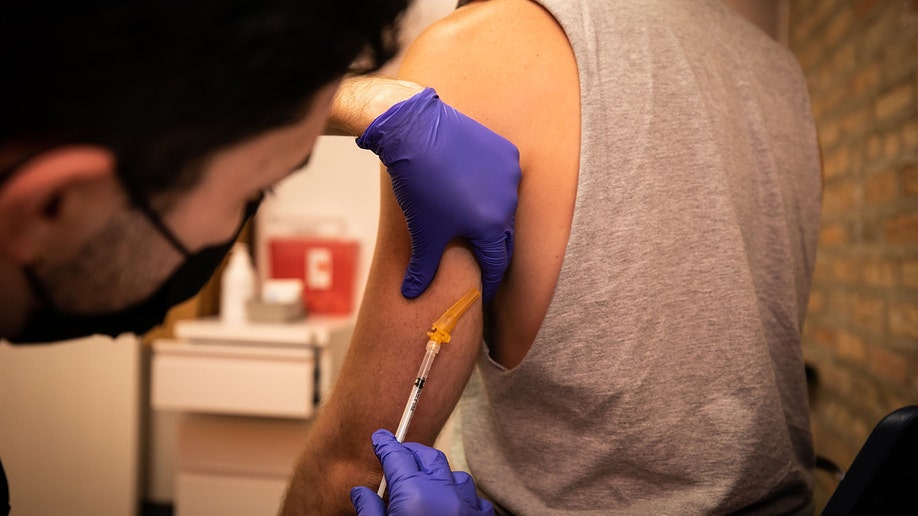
(210, 495)
(229, 379)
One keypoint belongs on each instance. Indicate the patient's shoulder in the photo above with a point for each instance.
(491, 30)
(502, 62)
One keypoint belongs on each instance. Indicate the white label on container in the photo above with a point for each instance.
(319, 268)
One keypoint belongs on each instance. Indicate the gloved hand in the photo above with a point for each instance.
(419, 482)
(452, 177)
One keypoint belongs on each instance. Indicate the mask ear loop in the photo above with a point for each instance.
(38, 289)
(140, 202)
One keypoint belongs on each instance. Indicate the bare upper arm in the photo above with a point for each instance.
(498, 62)
(509, 65)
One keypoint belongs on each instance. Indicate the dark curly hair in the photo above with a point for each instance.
(165, 83)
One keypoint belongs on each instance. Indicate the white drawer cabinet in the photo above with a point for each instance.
(223, 379)
(244, 394)
(275, 370)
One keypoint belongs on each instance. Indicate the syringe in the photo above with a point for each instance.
(438, 334)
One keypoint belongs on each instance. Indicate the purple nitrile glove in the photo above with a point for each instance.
(453, 177)
(419, 482)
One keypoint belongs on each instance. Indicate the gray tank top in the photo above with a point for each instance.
(667, 376)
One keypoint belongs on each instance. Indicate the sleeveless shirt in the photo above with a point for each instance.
(667, 376)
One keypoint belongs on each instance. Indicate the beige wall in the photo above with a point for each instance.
(70, 434)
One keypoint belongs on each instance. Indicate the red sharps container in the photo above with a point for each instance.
(327, 266)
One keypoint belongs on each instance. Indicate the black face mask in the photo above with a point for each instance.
(50, 324)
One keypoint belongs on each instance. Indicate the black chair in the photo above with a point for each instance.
(883, 479)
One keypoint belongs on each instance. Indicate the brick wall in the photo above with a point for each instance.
(860, 58)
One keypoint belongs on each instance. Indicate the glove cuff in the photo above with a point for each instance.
(391, 120)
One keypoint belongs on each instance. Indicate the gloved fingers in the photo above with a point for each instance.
(396, 459)
(493, 258)
(487, 509)
(399, 119)
(432, 462)
(490, 281)
(465, 488)
(367, 503)
(425, 260)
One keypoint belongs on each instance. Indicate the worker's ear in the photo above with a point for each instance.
(50, 203)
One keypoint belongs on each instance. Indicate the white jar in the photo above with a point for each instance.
(237, 285)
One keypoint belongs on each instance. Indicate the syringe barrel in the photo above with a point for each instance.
(433, 347)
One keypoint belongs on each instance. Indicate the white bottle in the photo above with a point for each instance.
(237, 285)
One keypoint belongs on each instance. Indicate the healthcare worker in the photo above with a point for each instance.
(138, 137)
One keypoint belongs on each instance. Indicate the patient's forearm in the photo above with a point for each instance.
(361, 99)
(326, 471)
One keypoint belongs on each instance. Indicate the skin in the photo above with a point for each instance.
(507, 64)
(361, 99)
(64, 212)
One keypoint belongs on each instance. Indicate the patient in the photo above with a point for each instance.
(642, 354)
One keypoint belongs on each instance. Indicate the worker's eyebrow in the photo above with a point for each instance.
(303, 163)
(271, 187)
